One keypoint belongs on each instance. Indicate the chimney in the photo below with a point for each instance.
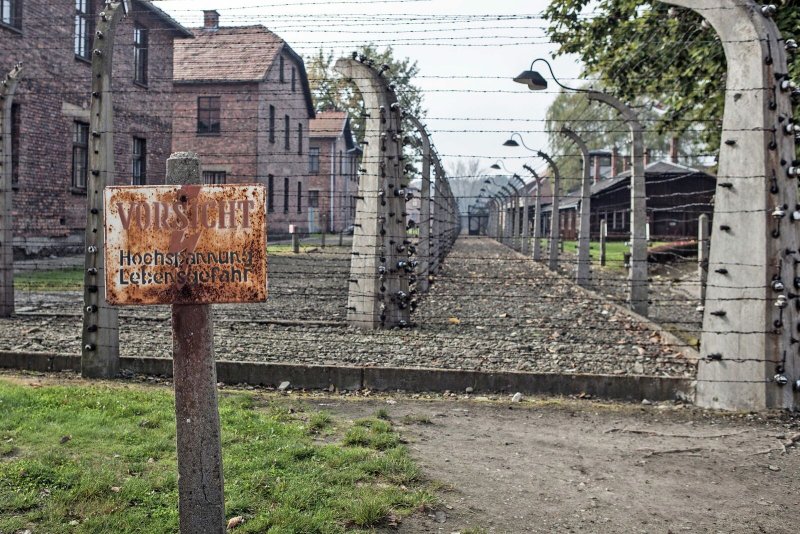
(210, 20)
(614, 161)
(647, 156)
(596, 169)
(673, 149)
(625, 162)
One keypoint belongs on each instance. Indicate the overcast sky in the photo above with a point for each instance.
(467, 52)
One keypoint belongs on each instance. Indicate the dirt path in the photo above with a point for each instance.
(571, 465)
(582, 466)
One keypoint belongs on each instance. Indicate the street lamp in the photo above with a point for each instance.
(637, 275)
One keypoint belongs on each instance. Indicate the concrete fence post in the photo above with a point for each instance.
(637, 274)
(703, 246)
(7, 88)
(526, 201)
(537, 215)
(380, 267)
(749, 349)
(201, 505)
(424, 241)
(100, 341)
(555, 215)
(583, 268)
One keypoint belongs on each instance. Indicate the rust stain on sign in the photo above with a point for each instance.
(189, 244)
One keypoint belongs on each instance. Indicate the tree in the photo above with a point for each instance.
(646, 48)
(330, 91)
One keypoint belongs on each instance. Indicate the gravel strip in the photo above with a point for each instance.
(489, 309)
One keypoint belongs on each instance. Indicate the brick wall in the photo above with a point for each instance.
(345, 184)
(49, 215)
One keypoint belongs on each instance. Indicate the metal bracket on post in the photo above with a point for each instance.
(7, 88)
(749, 346)
(637, 275)
(379, 267)
(583, 269)
(100, 339)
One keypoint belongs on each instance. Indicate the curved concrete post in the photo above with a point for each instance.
(424, 243)
(750, 354)
(555, 217)
(583, 269)
(526, 201)
(379, 267)
(637, 274)
(537, 215)
(7, 88)
(100, 343)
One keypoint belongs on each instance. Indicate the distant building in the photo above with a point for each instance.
(332, 172)
(50, 115)
(676, 196)
(242, 102)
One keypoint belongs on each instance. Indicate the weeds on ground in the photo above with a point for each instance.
(102, 459)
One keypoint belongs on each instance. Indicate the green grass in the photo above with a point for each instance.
(63, 449)
(52, 280)
(615, 252)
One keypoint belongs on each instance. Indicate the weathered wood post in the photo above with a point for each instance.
(424, 242)
(380, 267)
(555, 216)
(200, 481)
(637, 274)
(749, 348)
(603, 237)
(100, 340)
(7, 88)
(703, 248)
(211, 248)
(583, 270)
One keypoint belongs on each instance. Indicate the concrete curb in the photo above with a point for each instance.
(622, 387)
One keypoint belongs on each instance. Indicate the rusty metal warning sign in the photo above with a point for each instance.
(185, 244)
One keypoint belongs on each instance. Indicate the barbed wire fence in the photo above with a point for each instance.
(489, 308)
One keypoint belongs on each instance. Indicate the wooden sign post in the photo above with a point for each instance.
(189, 245)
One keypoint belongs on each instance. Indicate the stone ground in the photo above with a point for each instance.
(572, 465)
(489, 309)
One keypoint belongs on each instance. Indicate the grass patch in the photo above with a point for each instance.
(416, 419)
(105, 458)
(52, 280)
(615, 252)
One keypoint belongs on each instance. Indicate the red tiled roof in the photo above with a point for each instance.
(228, 54)
(327, 124)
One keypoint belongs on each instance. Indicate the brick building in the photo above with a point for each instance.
(242, 102)
(332, 169)
(50, 129)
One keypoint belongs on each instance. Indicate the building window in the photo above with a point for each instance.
(83, 27)
(11, 13)
(299, 197)
(285, 195)
(281, 75)
(313, 199)
(140, 40)
(294, 79)
(270, 193)
(300, 139)
(286, 132)
(15, 132)
(214, 177)
(313, 160)
(271, 124)
(80, 154)
(139, 175)
(341, 163)
(208, 115)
